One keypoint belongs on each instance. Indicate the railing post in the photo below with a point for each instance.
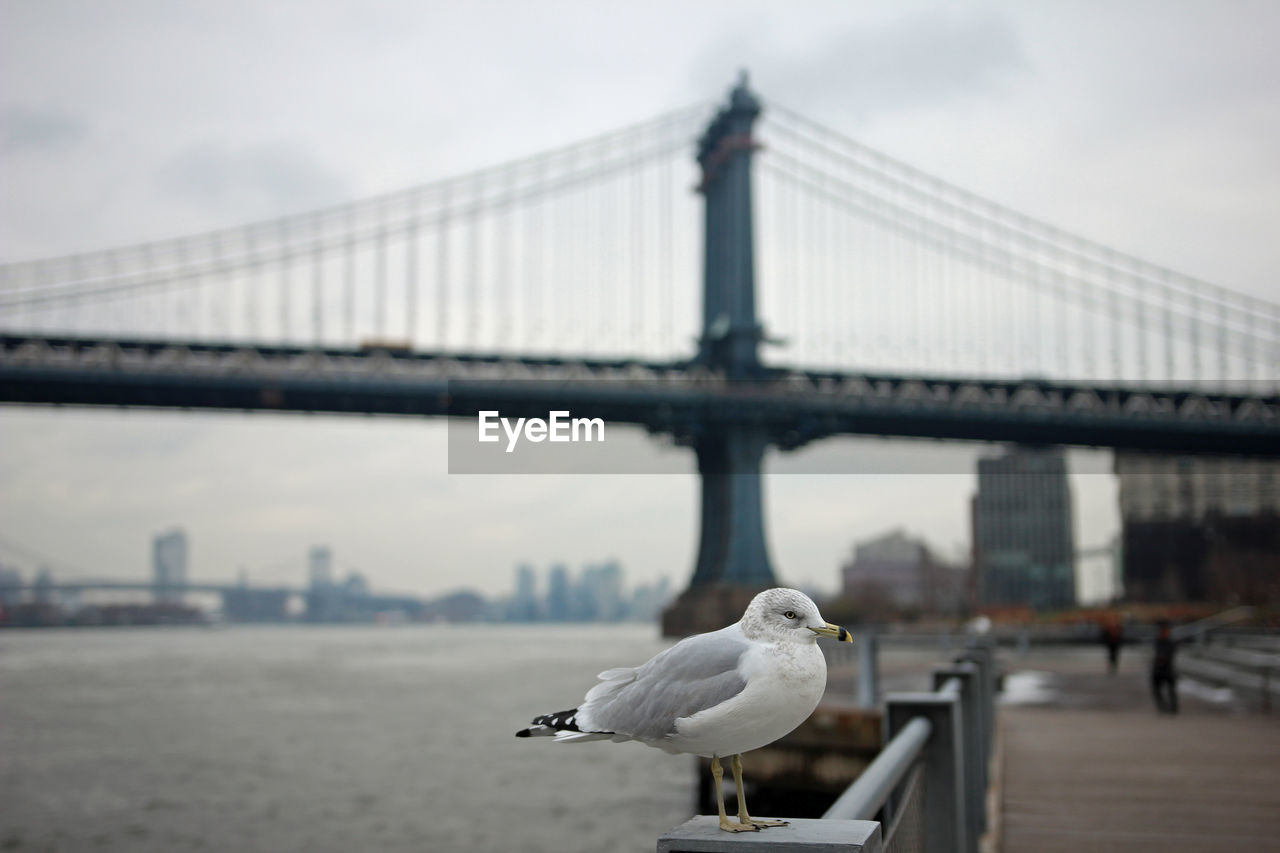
(969, 678)
(983, 657)
(868, 669)
(944, 805)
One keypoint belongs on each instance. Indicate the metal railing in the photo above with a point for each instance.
(1220, 654)
(892, 790)
(1244, 663)
(934, 763)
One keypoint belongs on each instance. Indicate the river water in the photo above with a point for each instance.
(291, 738)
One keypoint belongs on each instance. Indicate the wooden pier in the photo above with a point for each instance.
(1096, 768)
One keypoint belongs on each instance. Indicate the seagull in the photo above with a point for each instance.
(717, 694)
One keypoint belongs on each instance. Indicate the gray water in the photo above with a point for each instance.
(321, 738)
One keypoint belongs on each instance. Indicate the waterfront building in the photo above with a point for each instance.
(524, 604)
(559, 594)
(600, 593)
(324, 598)
(1199, 528)
(1024, 546)
(1165, 488)
(355, 587)
(901, 573)
(648, 600)
(42, 588)
(319, 566)
(169, 565)
(10, 587)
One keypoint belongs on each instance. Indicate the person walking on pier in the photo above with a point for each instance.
(1112, 638)
(1164, 676)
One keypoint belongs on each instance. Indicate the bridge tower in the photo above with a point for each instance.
(733, 558)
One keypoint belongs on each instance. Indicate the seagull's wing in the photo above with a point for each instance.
(644, 703)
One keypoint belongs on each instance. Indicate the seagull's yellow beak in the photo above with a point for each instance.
(833, 631)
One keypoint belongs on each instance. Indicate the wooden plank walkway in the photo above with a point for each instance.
(1100, 770)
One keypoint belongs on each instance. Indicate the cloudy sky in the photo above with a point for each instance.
(1150, 126)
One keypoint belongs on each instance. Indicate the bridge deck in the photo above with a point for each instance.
(1093, 767)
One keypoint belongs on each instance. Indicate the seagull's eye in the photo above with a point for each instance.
(790, 614)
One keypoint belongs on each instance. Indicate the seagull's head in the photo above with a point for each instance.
(788, 614)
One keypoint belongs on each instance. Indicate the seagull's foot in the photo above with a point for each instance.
(737, 827)
(761, 822)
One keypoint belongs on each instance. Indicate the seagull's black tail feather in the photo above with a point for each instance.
(550, 724)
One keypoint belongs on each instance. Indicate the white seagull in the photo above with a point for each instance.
(717, 694)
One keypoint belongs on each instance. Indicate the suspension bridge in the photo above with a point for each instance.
(785, 284)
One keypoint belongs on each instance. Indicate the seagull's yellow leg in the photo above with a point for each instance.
(717, 773)
(746, 819)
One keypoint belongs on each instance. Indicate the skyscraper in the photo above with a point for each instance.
(10, 587)
(169, 565)
(324, 598)
(1024, 547)
(524, 604)
(600, 592)
(559, 594)
(319, 566)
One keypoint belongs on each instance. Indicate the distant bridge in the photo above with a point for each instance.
(233, 594)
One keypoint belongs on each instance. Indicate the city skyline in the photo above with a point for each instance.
(596, 592)
(1159, 143)
(297, 566)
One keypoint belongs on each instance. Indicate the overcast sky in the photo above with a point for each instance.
(1150, 126)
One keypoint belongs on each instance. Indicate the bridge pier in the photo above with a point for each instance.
(733, 558)
(732, 547)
